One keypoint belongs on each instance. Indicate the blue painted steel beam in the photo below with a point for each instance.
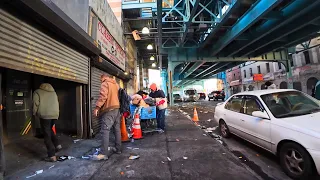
(294, 37)
(194, 68)
(284, 31)
(216, 70)
(209, 68)
(152, 5)
(292, 11)
(184, 68)
(232, 8)
(192, 13)
(253, 15)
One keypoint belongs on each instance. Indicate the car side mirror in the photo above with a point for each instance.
(260, 114)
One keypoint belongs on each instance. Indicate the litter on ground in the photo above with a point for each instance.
(76, 140)
(51, 167)
(130, 173)
(85, 157)
(133, 157)
(31, 176)
(128, 166)
(205, 135)
(177, 140)
(162, 162)
(209, 120)
(135, 148)
(184, 157)
(169, 159)
(39, 171)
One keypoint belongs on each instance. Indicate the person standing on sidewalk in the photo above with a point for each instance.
(108, 109)
(46, 108)
(160, 97)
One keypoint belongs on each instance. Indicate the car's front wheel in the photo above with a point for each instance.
(224, 129)
(296, 161)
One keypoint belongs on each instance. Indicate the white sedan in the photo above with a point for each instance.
(284, 122)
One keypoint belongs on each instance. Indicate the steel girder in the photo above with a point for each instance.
(192, 55)
(193, 68)
(190, 16)
(289, 13)
(297, 36)
(285, 31)
(232, 7)
(253, 15)
(209, 68)
(216, 70)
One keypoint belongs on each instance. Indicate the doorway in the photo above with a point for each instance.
(311, 83)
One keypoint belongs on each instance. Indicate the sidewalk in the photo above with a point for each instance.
(191, 156)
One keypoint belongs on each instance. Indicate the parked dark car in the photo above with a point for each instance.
(177, 98)
(216, 95)
(202, 96)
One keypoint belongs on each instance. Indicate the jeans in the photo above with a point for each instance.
(110, 120)
(161, 116)
(50, 139)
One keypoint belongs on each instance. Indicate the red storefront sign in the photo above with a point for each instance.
(258, 77)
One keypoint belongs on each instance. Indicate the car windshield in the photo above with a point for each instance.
(290, 103)
(215, 92)
(190, 92)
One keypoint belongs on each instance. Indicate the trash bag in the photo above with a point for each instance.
(150, 102)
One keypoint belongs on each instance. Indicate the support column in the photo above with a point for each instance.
(170, 73)
(289, 75)
(141, 75)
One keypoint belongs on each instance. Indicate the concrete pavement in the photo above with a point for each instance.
(182, 152)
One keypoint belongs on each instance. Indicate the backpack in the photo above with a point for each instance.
(124, 100)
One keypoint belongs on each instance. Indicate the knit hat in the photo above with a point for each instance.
(153, 87)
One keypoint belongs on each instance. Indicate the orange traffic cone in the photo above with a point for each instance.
(54, 129)
(136, 128)
(124, 133)
(195, 115)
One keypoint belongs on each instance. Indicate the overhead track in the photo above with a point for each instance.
(253, 15)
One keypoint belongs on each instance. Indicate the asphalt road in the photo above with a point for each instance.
(263, 163)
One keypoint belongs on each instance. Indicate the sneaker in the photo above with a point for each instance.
(51, 159)
(58, 148)
(99, 157)
(116, 151)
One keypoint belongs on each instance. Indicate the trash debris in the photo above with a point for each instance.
(258, 155)
(169, 159)
(223, 153)
(51, 167)
(99, 157)
(206, 112)
(31, 176)
(195, 139)
(210, 129)
(205, 135)
(162, 162)
(39, 171)
(130, 173)
(70, 157)
(62, 158)
(133, 157)
(129, 148)
(135, 148)
(203, 127)
(85, 157)
(209, 120)
(128, 166)
(76, 140)
(184, 157)
(221, 142)
(177, 140)
(122, 173)
(201, 111)
(240, 157)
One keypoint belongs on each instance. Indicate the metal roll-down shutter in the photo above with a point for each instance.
(25, 48)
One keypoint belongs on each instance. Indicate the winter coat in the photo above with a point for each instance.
(109, 95)
(45, 102)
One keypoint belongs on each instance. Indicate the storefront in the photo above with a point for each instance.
(29, 57)
(235, 86)
(111, 62)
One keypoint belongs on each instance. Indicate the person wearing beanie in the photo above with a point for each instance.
(159, 95)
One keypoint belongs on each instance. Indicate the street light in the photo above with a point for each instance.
(153, 65)
(145, 30)
(126, 73)
(152, 58)
(150, 47)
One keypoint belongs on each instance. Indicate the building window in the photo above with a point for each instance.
(259, 69)
(268, 67)
(307, 57)
(245, 73)
(279, 65)
(251, 74)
